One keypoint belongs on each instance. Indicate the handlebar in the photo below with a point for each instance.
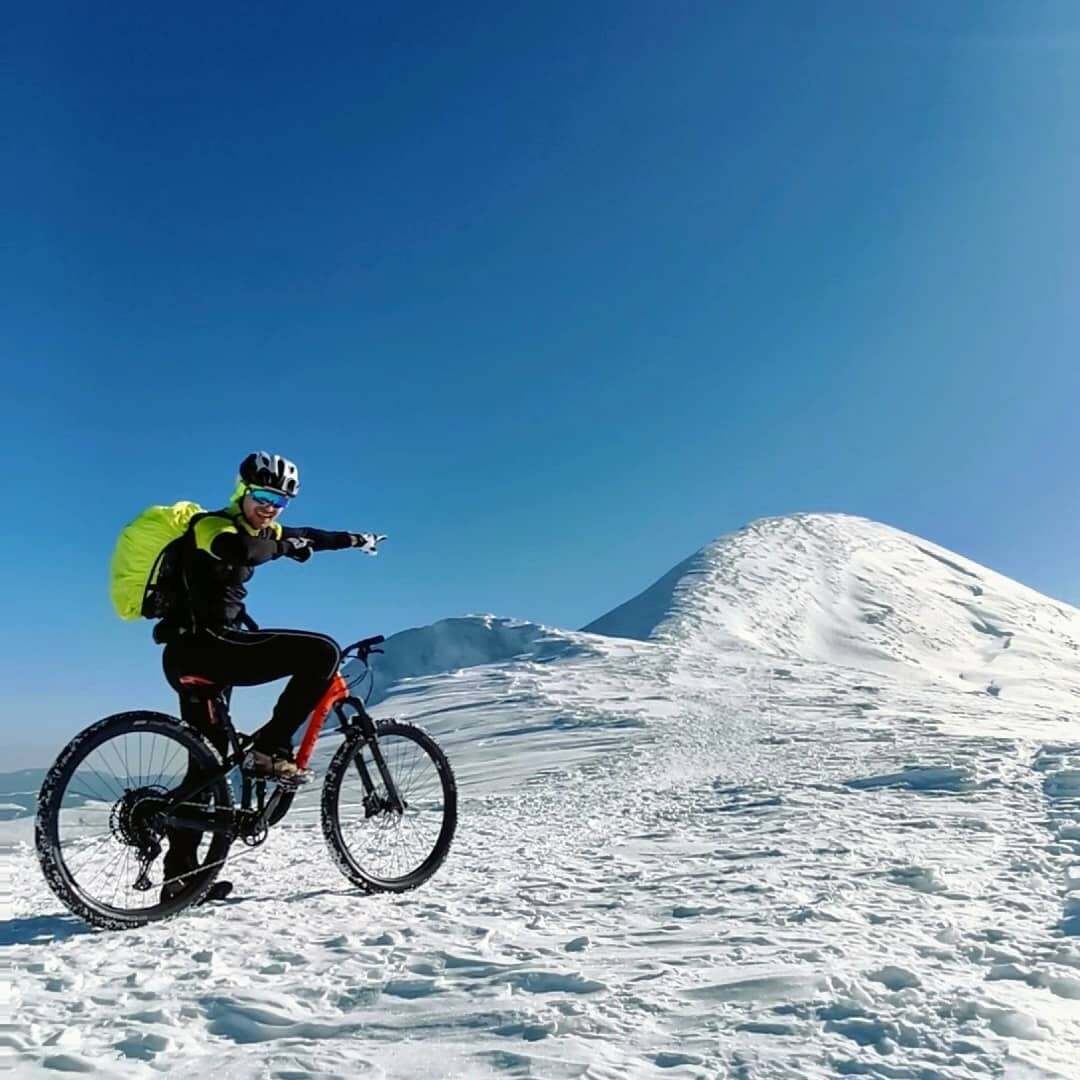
(363, 648)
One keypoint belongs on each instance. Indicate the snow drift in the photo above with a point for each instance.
(470, 641)
(843, 590)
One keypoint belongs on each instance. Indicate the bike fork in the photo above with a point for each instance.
(358, 726)
(393, 798)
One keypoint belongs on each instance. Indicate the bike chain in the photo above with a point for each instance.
(205, 866)
(232, 856)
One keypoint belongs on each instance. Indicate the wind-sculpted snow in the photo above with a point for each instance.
(472, 641)
(844, 590)
(697, 855)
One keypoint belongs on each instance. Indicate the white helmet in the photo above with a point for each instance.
(270, 471)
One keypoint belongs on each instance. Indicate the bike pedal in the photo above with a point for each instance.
(294, 782)
(262, 770)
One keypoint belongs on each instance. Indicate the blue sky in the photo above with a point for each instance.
(553, 294)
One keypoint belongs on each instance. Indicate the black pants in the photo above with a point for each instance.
(247, 658)
(250, 658)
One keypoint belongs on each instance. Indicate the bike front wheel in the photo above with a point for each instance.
(387, 840)
(101, 830)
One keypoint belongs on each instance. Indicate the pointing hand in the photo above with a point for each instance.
(367, 542)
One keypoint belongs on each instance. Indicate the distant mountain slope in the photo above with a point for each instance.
(18, 792)
(844, 590)
(465, 642)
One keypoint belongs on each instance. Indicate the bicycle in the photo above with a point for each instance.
(107, 801)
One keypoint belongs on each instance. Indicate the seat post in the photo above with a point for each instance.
(200, 689)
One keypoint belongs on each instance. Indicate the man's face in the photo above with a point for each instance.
(258, 514)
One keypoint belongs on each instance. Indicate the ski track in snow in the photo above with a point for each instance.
(670, 861)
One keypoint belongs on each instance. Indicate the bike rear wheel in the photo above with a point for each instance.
(378, 846)
(100, 831)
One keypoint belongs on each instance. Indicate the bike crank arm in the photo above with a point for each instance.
(216, 821)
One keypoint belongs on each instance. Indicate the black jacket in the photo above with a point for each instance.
(221, 557)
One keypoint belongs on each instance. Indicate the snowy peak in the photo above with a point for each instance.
(839, 589)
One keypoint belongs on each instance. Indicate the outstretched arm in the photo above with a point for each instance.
(321, 539)
(239, 548)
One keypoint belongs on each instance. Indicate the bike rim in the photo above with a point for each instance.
(392, 845)
(104, 824)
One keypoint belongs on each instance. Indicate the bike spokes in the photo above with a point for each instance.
(111, 820)
(395, 809)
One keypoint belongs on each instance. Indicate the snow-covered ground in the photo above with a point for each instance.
(814, 812)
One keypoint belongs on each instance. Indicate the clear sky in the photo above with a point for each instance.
(552, 293)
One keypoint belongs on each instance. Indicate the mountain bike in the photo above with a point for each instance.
(388, 804)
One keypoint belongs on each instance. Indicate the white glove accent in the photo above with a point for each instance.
(299, 548)
(367, 542)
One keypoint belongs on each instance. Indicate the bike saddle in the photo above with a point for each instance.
(199, 686)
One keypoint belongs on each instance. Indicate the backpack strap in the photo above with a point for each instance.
(191, 548)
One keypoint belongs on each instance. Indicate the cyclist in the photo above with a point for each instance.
(213, 636)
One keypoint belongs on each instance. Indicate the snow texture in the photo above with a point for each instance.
(807, 807)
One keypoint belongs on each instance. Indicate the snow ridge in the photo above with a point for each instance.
(466, 642)
(838, 589)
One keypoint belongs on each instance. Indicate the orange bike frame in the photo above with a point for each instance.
(337, 691)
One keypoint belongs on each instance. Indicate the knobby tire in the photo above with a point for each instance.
(57, 873)
(341, 767)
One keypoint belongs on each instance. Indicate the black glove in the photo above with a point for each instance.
(296, 547)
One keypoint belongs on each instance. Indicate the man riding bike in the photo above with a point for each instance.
(212, 635)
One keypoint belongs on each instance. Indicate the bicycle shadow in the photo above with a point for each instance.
(48, 929)
(312, 894)
(41, 930)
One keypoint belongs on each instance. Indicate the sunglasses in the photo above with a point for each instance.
(266, 497)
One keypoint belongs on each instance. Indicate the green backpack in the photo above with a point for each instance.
(145, 575)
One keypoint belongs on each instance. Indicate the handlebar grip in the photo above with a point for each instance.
(365, 645)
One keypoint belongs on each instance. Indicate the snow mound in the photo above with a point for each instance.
(843, 590)
(466, 642)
